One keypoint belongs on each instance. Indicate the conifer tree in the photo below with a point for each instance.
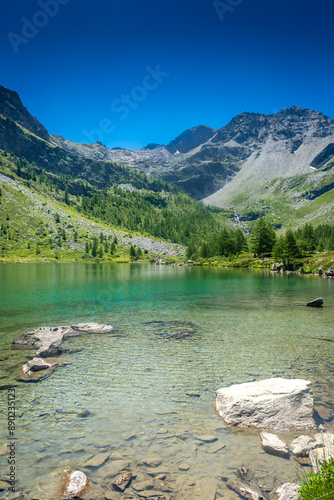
(132, 251)
(262, 237)
(94, 248)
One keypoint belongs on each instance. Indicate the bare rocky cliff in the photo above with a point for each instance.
(215, 165)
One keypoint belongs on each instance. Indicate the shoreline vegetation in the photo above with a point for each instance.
(308, 265)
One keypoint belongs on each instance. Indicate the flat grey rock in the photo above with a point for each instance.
(152, 462)
(113, 468)
(278, 404)
(92, 328)
(143, 485)
(97, 460)
(43, 336)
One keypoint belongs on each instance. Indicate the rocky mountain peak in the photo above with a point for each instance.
(12, 107)
(191, 139)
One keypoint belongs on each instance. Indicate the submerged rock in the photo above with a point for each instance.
(173, 330)
(97, 460)
(243, 490)
(152, 462)
(273, 445)
(113, 468)
(207, 438)
(243, 472)
(278, 404)
(122, 481)
(143, 485)
(288, 491)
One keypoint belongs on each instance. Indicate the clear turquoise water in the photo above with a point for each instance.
(145, 380)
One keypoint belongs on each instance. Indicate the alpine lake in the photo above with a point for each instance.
(144, 393)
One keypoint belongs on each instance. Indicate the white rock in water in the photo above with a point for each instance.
(278, 404)
(274, 445)
(288, 491)
(93, 328)
(77, 482)
(302, 446)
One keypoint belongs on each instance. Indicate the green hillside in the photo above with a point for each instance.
(46, 216)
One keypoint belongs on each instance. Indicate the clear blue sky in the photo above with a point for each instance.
(82, 65)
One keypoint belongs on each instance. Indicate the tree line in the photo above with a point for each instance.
(264, 242)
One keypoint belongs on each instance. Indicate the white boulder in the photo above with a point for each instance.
(273, 445)
(288, 491)
(302, 446)
(278, 404)
(77, 483)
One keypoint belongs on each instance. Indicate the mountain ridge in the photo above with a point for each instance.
(254, 161)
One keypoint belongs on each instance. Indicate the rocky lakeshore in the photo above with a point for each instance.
(48, 342)
(136, 470)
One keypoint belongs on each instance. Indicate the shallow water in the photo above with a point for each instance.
(145, 392)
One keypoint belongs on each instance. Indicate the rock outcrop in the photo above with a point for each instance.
(43, 336)
(278, 404)
(47, 340)
(55, 335)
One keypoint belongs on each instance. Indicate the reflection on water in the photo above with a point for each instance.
(144, 394)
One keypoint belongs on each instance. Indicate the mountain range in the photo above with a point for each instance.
(279, 165)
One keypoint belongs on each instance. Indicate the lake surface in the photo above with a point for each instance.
(144, 393)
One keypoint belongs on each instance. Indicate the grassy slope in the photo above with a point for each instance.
(29, 216)
(288, 202)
